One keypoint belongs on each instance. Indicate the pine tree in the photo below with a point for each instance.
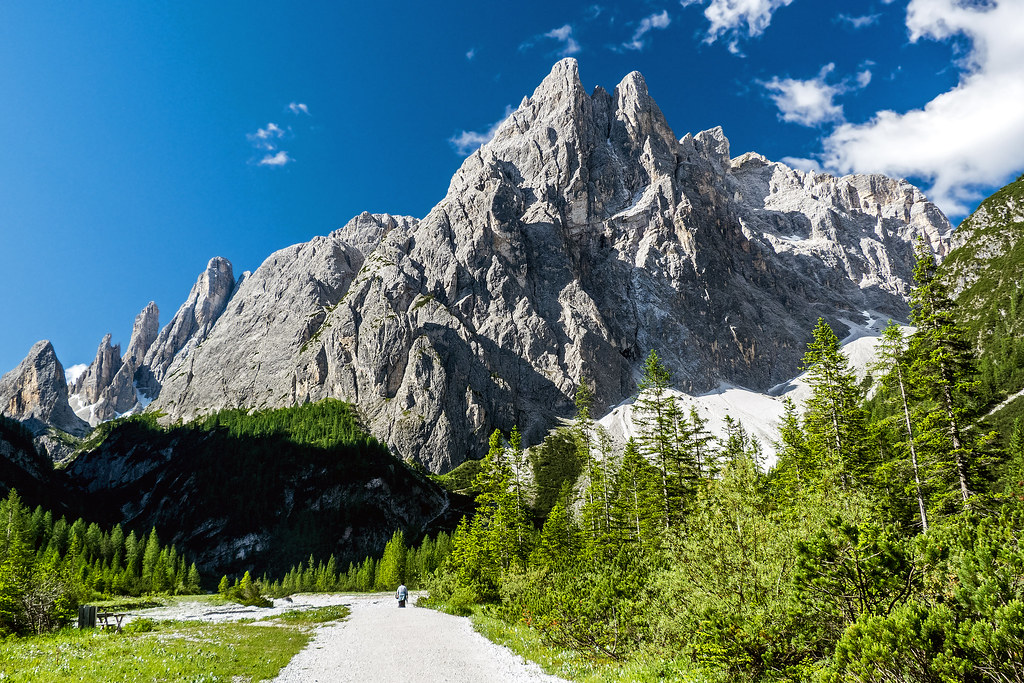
(657, 417)
(16, 559)
(192, 583)
(891, 358)
(636, 506)
(944, 369)
(559, 540)
(391, 569)
(834, 419)
(149, 562)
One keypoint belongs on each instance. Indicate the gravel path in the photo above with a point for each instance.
(380, 642)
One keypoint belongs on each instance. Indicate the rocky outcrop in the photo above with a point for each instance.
(94, 381)
(145, 331)
(582, 236)
(36, 394)
(107, 388)
(189, 326)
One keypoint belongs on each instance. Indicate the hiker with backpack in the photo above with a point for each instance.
(402, 594)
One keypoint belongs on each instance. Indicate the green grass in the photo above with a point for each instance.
(318, 615)
(574, 666)
(460, 479)
(166, 651)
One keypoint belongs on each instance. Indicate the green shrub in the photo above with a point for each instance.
(142, 625)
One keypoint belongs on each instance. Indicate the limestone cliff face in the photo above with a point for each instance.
(189, 326)
(585, 234)
(107, 388)
(36, 393)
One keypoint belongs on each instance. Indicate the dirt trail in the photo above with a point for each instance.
(380, 642)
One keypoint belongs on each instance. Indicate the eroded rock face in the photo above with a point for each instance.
(36, 393)
(582, 236)
(95, 380)
(107, 388)
(189, 326)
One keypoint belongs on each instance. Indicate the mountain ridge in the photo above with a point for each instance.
(584, 234)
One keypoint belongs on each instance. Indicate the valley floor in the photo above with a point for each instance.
(380, 642)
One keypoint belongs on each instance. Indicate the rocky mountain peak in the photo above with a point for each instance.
(190, 325)
(144, 332)
(107, 388)
(101, 371)
(366, 231)
(36, 393)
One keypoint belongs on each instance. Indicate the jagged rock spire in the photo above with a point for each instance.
(36, 393)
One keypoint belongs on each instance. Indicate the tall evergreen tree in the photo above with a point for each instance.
(891, 360)
(391, 569)
(944, 369)
(636, 506)
(661, 436)
(834, 418)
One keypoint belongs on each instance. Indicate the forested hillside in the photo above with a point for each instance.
(885, 545)
(257, 491)
(984, 273)
(49, 566)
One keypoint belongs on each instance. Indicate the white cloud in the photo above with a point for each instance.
(72, 374)
(468, 141)
(266, 138)
(279, 159)
(967, 138)
(860, 22)
(471, 53)
(298, 108)
(802, 164)
(733, 16)
(863, 78)
(810, 102)
(563, 34)
(658, 20)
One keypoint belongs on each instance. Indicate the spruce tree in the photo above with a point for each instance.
(636, 506)
(657, 416)
(891, 354)
(944, 369)
(834, 418)
(391, 569)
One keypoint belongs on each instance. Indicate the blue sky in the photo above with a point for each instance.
(139, 140)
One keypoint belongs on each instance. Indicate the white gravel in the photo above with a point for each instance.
(380, 642)
(197, 610)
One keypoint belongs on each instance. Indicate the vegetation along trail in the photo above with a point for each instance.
(380, 642)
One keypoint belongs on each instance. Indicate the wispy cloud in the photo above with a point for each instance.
(803, 164)
(471, 53)
(268, 138)
(298, 108)
(860, 22)
(811, 102)
(968, 137)
(279, 159)
(658, 20)
(733, 18)
(563, 34)
(468, 141)
(264, 138)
